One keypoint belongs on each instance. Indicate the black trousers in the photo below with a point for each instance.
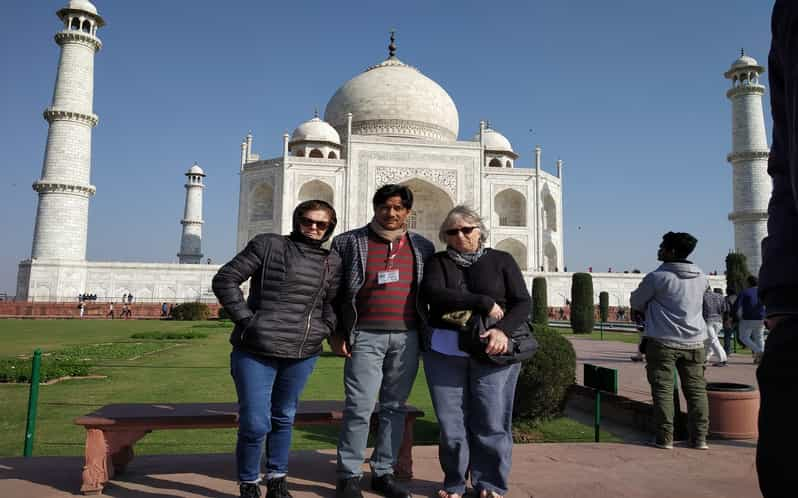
(778, 430)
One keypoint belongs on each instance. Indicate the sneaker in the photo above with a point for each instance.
(719, 364)
(636, 357)
(699, 445)
(249, 490)
(387, 486)
(663, 444)
(277, 488)
(348, 488)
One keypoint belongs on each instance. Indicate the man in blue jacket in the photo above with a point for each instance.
(751, 313)
(778, 278)
(671, 297)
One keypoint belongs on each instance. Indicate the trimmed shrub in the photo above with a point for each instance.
(582, 306)
(736, 271)
(223, 314)
(544, 380)
(169, 336)
(19, 370)
(191, 311)
(540, 301)
(604, 305)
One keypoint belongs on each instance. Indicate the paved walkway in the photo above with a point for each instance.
(539, 471)
(632, 381)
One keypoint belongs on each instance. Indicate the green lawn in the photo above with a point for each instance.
(193, 370)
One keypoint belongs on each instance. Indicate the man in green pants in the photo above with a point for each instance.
(671, 298)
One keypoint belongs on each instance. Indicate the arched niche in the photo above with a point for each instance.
(549, 211)
(430, 206)
(510, 208)
(550, 257)
(516, 249)
(316, 189)
(261, 206)
(495, 163)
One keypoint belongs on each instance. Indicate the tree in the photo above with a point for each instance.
(736, 271)
(582, 306)
(604, 305)
(540, 301)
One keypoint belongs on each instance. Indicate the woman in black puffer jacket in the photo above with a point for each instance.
(278, 335)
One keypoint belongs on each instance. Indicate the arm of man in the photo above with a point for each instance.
(643, 294)
(227, 281)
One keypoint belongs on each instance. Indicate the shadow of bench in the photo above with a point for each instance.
(113, 430)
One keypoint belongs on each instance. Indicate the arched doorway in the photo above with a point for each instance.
(316, 189)
(430, 207)
(549, 211)
(262, 204)
(550, 256)
(510, 207)
(516, 249)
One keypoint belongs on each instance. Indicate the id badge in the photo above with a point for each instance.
(387, 277)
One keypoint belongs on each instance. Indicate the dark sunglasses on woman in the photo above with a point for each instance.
(307, 222)
(465, 230)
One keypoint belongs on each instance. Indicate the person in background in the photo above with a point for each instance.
(278, 335)
(751, 313)
(713, 310)
(672, 299)
(778, 286)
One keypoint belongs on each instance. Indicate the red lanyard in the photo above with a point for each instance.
(392, 254)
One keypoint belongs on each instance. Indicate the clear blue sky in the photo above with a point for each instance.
(629, 94)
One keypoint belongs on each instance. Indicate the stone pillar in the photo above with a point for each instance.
(749, 159)
(64, 190)
(191, 239)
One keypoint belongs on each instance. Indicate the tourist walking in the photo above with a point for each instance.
(713, 310)
(751, 313)
(379, 319)
(82, 308)
(110, 311)
(278, 335)
(729, 321)
(471, 393)
(671, 298)
(164, 310)
(778, 287)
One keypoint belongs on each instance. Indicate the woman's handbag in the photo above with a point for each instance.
(521, 346)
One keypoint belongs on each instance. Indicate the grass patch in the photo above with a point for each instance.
(559, 430)
(169, 336)
(197, 371)
(19, 370)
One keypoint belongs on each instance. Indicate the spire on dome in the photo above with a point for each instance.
(392, 45)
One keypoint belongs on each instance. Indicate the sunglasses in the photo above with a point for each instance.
(464, 230)
(307, 222)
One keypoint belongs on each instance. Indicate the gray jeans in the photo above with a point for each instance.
(382, 368)
(474, 405)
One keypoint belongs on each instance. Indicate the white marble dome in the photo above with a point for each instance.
(394, 99)
(494, 141)
(195, 170)
(83, 5)
(744, 61)
(315, 130)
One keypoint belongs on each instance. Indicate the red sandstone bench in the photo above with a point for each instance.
(112, 431)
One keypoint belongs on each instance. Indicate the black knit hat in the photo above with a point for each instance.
(681, 243)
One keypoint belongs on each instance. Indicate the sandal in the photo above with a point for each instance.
(442, 493)
(489, 494)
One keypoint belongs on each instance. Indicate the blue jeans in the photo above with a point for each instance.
(268, 391)
(474, 405)
(382, 367)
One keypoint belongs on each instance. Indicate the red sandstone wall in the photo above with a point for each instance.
(70, 310)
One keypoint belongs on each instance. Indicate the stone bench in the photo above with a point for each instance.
(112, 431)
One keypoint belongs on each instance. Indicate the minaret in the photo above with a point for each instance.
(191, 239)
(62, 215)
(749, 160)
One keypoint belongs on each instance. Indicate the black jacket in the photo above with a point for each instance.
(494, 279)
(778, 276)
(288, 313)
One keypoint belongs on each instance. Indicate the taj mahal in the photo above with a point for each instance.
(388, 124)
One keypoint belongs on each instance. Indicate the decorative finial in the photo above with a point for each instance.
(742, 52)
(316, 112)
(487, 123)
(392, 45)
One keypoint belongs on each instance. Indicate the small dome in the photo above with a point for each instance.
(495, 141)
(397, 100)
(195, 170)
(315, 130)
(742, 64)
(744, 61)
(84, 5)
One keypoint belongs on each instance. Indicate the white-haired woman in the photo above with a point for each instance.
(473, 398)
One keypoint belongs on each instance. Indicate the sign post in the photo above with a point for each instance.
(600, 379)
